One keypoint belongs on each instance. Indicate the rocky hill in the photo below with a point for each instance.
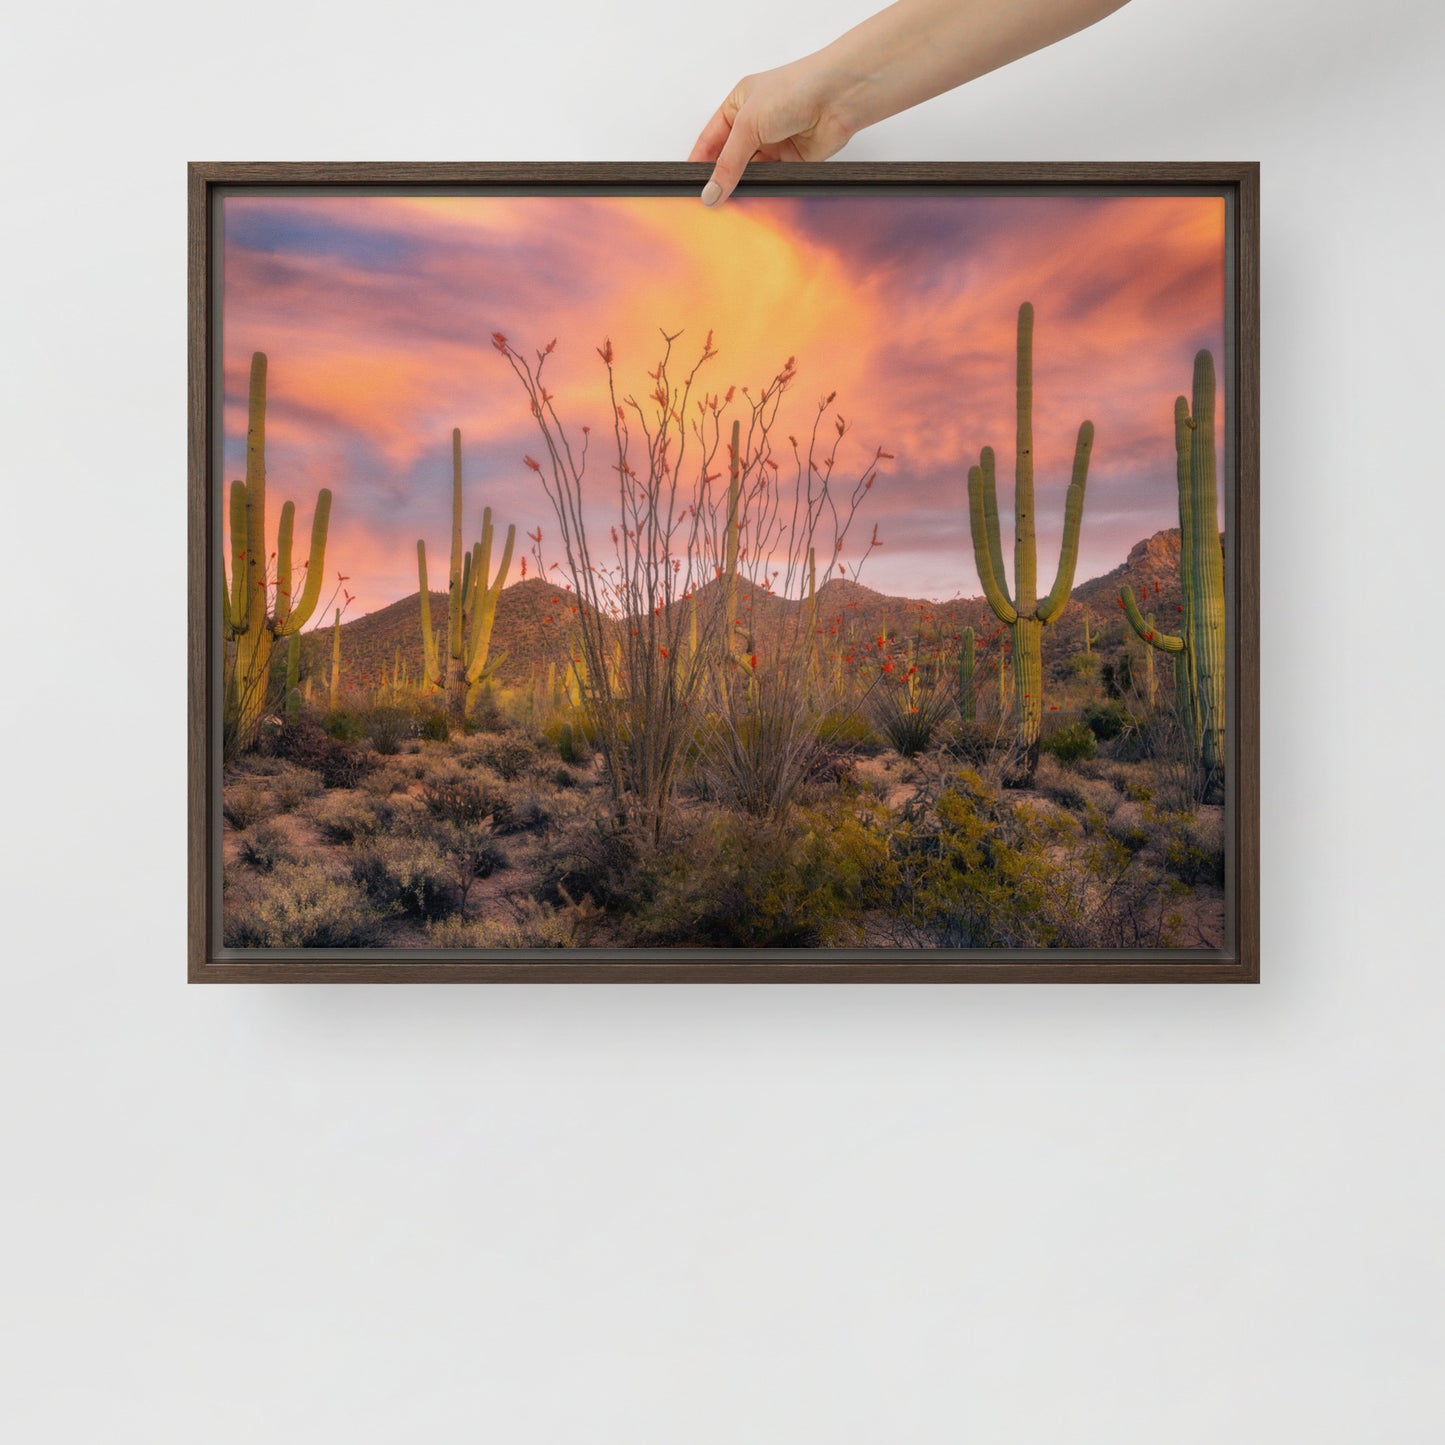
(533, 618)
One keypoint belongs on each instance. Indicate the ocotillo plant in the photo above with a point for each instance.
(336, 659)
(257, 609)
(679, 532)
(472, 595)
(1198, 649)
(1023, 614)
(431, 673)
(965, 675)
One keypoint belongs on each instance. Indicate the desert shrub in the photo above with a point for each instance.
(564, 777)
(308, 746)
(344, 725)
(1190, 848)
(266, 845)
(348, 817)
(1108, 719)
(406, 875)
(509, 755)
(465, 799)
(601, 861)
(298, 905)
(908, 714)
(973, 870)
(244, 803)
(975, 741)
(802, 881)
(388, 728)
(293, 786)
(1072, 789)
(435, 727)
(850, 730)
(1070, 743)
(526, 923)
(1081, 665)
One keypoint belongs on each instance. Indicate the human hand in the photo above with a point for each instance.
(785, 114)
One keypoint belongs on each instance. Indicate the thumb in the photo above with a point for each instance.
(740, 147)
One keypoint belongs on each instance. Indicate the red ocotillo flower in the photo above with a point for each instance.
(605, 352)
(532, 462)
(499, 341)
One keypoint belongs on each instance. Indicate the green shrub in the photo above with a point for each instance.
(343, 725)
(298, 905)
(436, 727)
(803, 881)
(1071, 743)
(1081, 665)
(1108, 719)
(465, 799)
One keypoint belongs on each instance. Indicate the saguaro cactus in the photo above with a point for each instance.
(472, 595)
(965, 675)
(1198, 649)
(1023, 614)
(256, 608)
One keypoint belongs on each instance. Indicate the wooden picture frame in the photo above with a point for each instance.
(1235, 959)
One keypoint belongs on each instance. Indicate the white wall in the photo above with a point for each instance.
(716, 1215)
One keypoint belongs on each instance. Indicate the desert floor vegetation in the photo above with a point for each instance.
(506, 837)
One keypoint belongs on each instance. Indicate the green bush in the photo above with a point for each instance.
(436, 727)
(298, 905)
(308, 746)
(1071, 743)
(1108, 719)
(343, 725)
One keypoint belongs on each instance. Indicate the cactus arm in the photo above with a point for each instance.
(990, 516)
(255, 572)
(1052, 607)
(485, 613)
(1025, 556)
(305, 605)
(336, 659)
(432, 675)
(238, 611)
(1206, 637)
(454, 581)
(1164, 641)
(283, 561)
(1003, 609)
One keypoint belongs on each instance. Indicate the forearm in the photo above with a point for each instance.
(917, 49)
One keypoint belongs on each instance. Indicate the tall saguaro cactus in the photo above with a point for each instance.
(257, 608)
(1198, 649)
(1023, 614)
(472, 595)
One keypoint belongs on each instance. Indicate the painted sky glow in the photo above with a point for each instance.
(376, 315)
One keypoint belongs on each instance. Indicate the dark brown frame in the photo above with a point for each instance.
(1237, 963)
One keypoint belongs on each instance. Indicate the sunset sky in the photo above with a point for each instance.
(376, 314)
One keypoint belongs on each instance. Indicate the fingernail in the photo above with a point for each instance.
(711, 193)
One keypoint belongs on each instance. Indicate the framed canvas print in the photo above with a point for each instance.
(854, 583)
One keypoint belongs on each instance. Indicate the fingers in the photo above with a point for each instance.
(714, 135)
(741, 145)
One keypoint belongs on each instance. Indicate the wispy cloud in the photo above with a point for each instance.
(376, 314)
